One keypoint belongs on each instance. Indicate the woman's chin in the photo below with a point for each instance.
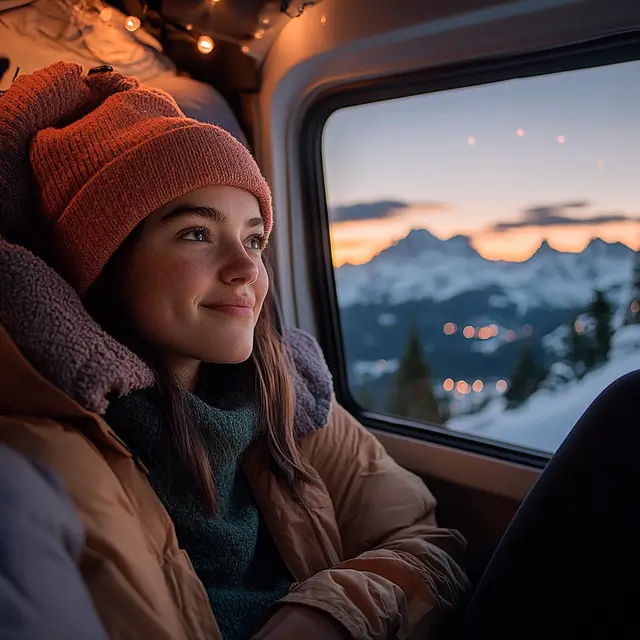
(230, 354)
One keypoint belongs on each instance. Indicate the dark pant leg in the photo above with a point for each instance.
(567, 566)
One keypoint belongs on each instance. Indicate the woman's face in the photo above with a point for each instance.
(197, 281)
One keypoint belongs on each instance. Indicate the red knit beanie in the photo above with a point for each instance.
(122, 151)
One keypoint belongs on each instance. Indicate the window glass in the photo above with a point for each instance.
(486, 246)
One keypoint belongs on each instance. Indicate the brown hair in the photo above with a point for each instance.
(269, 371)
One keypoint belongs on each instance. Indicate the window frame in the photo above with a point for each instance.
(591, 54)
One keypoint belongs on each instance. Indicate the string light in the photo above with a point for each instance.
(205, 44)
(132, 23)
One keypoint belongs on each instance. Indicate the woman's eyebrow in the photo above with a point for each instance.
(205, 212)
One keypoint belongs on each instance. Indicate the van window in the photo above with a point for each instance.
(486, 250)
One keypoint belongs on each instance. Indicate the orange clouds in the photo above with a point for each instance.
(358, 241)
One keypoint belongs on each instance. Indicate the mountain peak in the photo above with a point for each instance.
(598, 246)
(421, 241)
(545, 249)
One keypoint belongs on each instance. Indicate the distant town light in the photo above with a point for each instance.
(494, 329)
(577, 325)
(449, 328)
(462, 387)
(501, 386)
(478, 386)
(511, 335)
(448, 384)
(471, 140)
(468, 331)
(561, 139)
(520, 133)
(635, 306)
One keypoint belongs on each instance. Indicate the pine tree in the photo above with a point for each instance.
(602, 314)
(576, 349)
(525, 378)
(413, 395)
(633, 312)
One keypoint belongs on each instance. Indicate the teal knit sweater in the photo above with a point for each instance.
(232, 552)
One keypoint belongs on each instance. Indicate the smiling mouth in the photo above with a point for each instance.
(233, 310)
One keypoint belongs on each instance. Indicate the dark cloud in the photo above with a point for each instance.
(380, 209)
(367, 211)
(556, 215)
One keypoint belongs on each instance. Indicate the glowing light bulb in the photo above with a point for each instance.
(205, 44)
(132, 23)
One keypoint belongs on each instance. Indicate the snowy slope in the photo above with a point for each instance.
(421, 266)
(548, 416)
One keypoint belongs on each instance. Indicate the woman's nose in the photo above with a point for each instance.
(239, 268)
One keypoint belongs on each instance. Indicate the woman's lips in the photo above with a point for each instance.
(233, 310)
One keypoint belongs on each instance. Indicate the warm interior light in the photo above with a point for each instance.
(205, 44)
(132, 23)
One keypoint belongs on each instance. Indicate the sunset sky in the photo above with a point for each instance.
(510, 164)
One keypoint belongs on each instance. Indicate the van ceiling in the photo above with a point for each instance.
(243, 32)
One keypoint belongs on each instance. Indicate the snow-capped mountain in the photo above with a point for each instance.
(423, 267)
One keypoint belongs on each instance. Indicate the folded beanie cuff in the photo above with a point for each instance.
(129, 188)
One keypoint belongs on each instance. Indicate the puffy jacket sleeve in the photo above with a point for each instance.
(42, 592)
(402, 575)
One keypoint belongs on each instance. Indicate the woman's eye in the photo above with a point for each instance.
(256, 243)
(195, 235)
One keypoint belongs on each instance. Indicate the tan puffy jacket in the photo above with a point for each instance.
(365, 548)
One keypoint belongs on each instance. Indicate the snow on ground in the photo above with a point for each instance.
(547, 417)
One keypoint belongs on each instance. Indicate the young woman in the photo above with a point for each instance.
(224, 491)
